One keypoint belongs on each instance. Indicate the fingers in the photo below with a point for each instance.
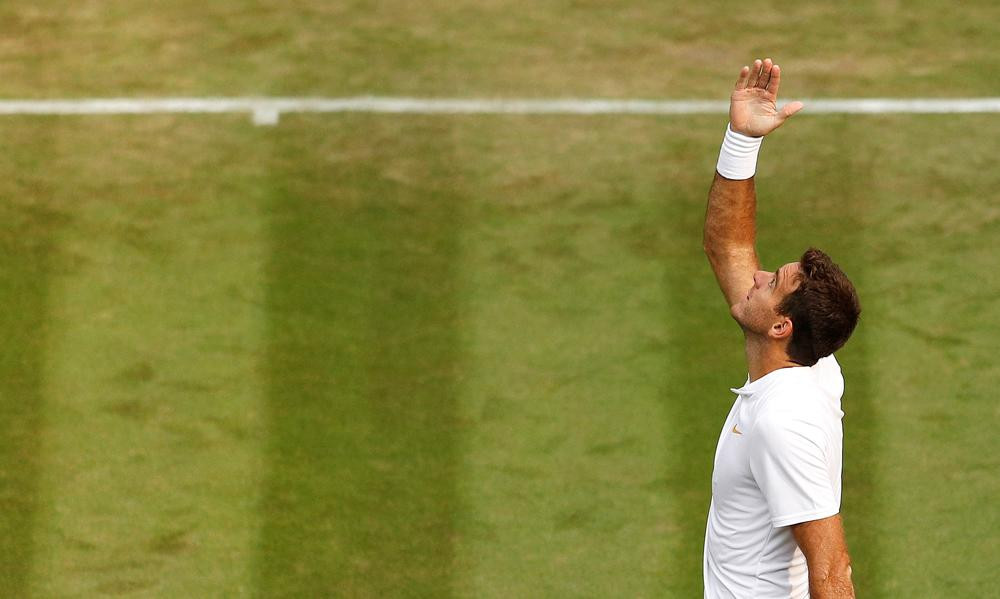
(765, 73)
(775, 80)
(741, 83)
(755, 73)
(760, 75)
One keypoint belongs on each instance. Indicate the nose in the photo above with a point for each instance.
(759, 277)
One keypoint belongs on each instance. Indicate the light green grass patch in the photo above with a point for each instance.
(152, 411)
(564, 343)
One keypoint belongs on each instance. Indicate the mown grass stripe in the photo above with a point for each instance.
(930, 241)
(809, 193)
(564, 449)
(25, 263)
(360, 492)
(149, 440)
(704, 359)
(831, 193)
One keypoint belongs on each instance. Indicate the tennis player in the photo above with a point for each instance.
(774, 526)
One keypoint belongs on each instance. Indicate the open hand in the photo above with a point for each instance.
(752, 108)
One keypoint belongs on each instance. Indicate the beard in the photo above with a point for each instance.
(753, 318)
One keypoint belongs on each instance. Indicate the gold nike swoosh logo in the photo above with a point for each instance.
(736, 430)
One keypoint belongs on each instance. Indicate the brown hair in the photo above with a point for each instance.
(824, 309)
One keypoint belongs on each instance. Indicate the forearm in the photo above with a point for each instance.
(730, 222)
(731, 216)
(730, 234)
(823, 543)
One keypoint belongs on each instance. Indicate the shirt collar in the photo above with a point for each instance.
(749, 390)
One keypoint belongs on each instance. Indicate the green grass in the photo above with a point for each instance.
(565, 454)
(492, 48)
(26, 242)
(470, 356)
(361, 364)
(150, 414)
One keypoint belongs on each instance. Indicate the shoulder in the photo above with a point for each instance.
(828, 377)
(809, 392)
(797, 395)
(793, 441)
(799, 410)
(781, 422)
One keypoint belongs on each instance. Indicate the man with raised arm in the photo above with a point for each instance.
(774, 527)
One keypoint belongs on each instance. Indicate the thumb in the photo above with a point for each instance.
(789, 109)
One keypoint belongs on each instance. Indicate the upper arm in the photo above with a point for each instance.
(823, 543)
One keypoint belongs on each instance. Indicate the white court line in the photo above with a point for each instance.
(267, 111)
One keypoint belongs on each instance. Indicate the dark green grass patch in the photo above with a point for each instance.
(26, 239)
(813, 193)
(704, 361)
(360, 493)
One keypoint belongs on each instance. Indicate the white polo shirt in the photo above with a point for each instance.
(778, 463)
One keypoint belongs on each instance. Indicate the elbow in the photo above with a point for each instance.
(725, 251)
(712, 253)
(716, 252)
(709, 245)
(715, 257)
(716, 243)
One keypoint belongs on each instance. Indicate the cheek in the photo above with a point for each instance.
(751, 307)
(760, 308)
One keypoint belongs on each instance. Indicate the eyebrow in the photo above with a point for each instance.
(777, 276)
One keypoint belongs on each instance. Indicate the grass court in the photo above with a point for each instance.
(470, 356)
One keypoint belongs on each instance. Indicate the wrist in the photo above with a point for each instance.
(738, 155)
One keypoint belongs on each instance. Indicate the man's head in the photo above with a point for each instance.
(810, 306)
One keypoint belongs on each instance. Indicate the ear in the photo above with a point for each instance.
(781, 330)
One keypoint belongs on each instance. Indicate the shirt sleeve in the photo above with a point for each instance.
(789, 460)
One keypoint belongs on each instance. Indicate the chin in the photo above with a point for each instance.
(737, 311)
(741, 314)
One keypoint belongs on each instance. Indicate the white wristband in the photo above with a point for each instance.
(738, 156)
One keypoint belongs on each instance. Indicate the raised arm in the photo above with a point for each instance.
(730, 221)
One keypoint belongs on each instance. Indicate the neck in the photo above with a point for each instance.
(764, 356)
